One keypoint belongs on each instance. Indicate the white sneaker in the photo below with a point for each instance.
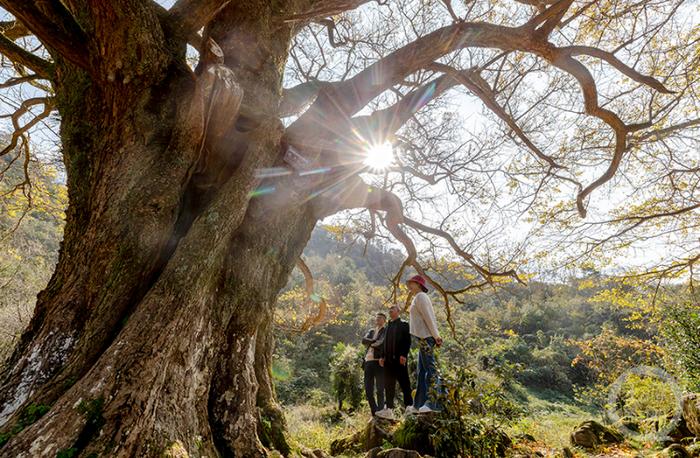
(385, 413)
(410, 410)
(426, 409)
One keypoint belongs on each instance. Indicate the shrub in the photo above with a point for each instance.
(469, 425)
(346, 374)
(682, 335)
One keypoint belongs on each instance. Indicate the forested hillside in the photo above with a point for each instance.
(550, 351)
(31, 228)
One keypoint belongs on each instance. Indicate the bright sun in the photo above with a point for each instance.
(379, 156)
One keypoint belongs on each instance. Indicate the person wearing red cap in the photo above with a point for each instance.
(424, 330)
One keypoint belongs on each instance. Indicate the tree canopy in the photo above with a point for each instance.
(525, 114)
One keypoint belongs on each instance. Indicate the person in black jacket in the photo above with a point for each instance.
(397, 343)
(374, 341)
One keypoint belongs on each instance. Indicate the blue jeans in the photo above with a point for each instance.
(427, 375)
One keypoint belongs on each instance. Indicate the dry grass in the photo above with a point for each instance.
(316, 427)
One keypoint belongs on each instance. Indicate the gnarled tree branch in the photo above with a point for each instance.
(618, 64)
(192, 15)
(54, 26)
(311, 320)
(14, 29)
(324, 8)
(21, 56)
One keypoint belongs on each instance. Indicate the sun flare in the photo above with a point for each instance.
(379, 156)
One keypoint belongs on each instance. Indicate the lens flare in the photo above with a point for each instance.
(379, 156)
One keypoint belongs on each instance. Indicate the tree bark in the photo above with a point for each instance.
(154, 335)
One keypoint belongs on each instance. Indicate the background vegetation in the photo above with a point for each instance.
(547, 352)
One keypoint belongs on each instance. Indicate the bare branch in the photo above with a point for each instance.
(331, 28)
(325, 8)
(54, 26)
(21, 56)
(485, 273)
(299, 97)
(448, 6)
(20, 130)
(383, 124)
(14, 29)
(192, 15)
(666, 131)
(550, 18)
(311, 320)
(618, 64)
(590, 96)
(18, 80)
(341, 100)
(540, 4)
(472, 81)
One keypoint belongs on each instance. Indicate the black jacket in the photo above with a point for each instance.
(397, 340)
(377, 342)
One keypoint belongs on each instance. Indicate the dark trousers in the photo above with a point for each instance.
(396, 372)
(374, 377)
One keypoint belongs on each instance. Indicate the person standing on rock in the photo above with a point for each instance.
(425, 332)
(397, 343)
(374, 373)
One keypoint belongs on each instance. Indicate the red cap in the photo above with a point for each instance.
(420, 280)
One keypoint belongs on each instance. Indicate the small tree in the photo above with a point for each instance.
(346, 374)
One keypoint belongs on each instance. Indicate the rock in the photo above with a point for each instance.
(373, 435)
(675, 451)
(680, 430)
(691, 412)
(627, 423)
(591, 434)
(676, 432)
(315, 453)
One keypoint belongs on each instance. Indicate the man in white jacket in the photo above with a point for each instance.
(425, 332)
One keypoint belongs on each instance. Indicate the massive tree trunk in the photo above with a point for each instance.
(154, 335)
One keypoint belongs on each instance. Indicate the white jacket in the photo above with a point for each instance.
(422, 317)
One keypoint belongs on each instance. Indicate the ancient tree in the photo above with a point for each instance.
(203, 142)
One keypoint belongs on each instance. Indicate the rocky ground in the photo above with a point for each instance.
(382, 438)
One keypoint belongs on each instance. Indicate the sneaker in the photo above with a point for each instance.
(426, 409)
(410, 410)
(385, 413)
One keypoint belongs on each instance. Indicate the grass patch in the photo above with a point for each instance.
(550, 420)
(315, 427)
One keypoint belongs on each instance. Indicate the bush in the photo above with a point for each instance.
(543, 368)
(295, 388)
(682, 334)
(645, 397)
(346, 374)
(469, 425)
